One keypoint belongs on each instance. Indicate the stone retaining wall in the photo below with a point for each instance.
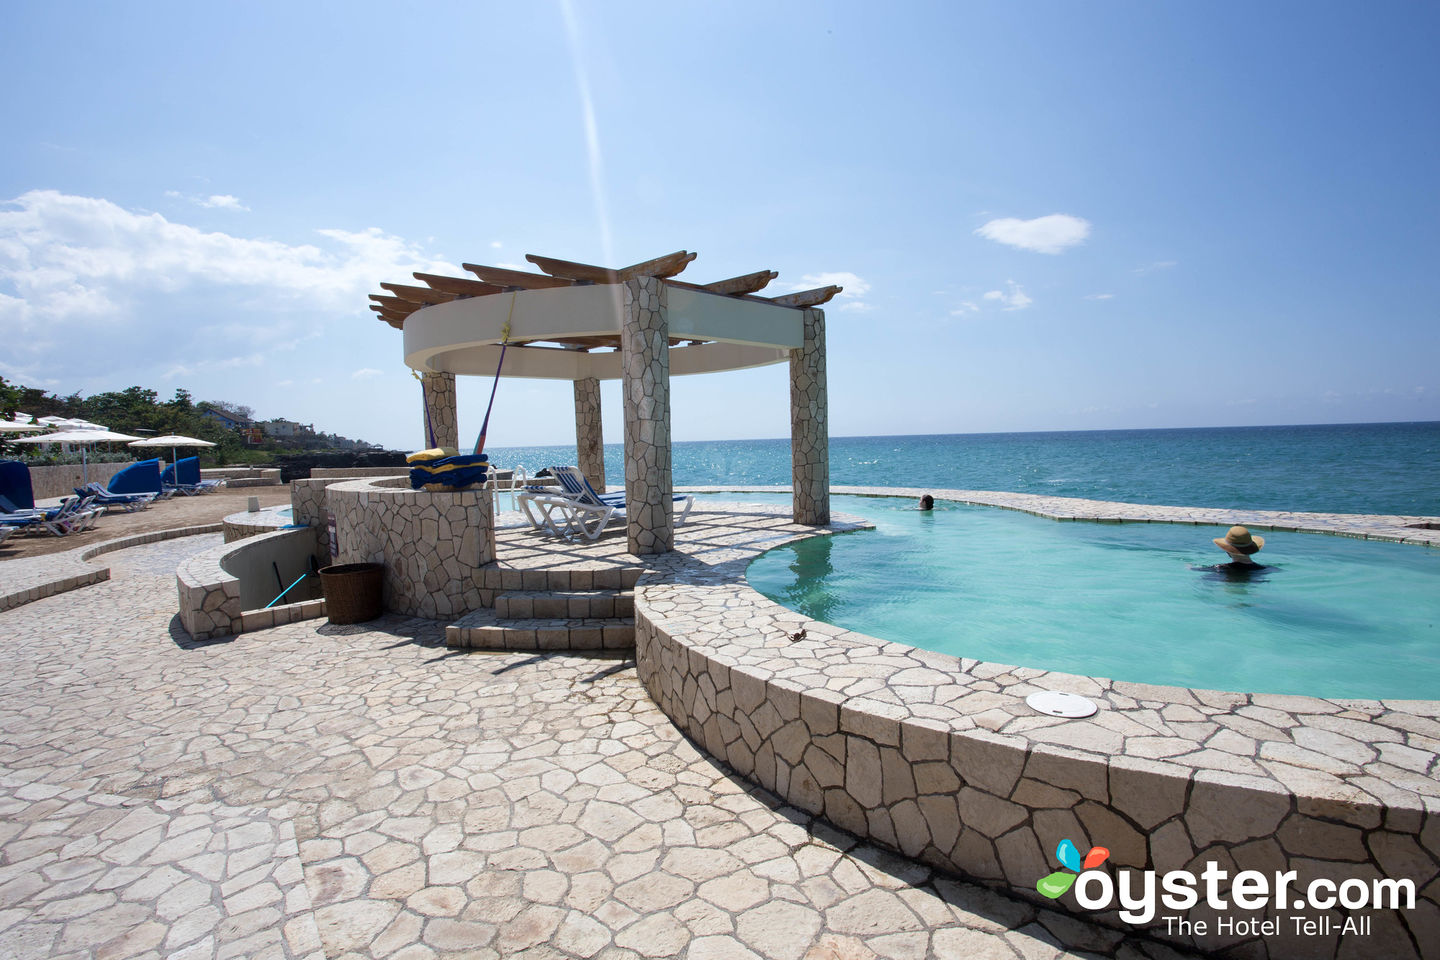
(332, 473)
(432, 544)
(940, 758)
(61, 479)
(243, 476)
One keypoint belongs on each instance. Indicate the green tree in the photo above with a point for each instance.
(9, 399)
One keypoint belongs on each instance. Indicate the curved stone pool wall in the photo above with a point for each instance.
(247, 523)
(940, 758)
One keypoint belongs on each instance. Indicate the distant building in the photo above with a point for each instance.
(280, 427)
(231, 421)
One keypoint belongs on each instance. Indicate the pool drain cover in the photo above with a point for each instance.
(1057, 704)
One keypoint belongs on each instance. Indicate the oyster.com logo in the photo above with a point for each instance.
(1142, 894)
(1055, 885)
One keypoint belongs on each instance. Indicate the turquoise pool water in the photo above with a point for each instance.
(1329, 616)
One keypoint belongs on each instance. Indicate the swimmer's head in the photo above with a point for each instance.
(1239, 540)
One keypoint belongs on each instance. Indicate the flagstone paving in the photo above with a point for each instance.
(158, 794)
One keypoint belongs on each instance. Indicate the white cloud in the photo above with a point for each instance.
(247, 360)
(84, 269)
(1157, 265)
(65, 256)
(1099, 296)
(1051, 234)
(854, 286)
(216, 201)
(496, 244)
(966, 306)
(222, 201)
(366, 373)
(1013, 297)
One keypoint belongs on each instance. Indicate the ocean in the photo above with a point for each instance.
(1388, 468)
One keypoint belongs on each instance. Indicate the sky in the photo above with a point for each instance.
(1046, 216)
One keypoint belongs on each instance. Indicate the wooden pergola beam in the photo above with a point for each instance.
(460, 286)
(666, 266)
(685, 285)
(749, 283)
(425, 296)
(395, 304)
(568, 270)
(389, 316)
(515, 278)
(807, 298)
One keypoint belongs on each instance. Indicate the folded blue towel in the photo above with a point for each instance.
(457, 471)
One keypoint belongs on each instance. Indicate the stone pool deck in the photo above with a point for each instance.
(158, 794)
(539, 804)
(27, 579)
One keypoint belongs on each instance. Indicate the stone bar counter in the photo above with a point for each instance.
(431, 544)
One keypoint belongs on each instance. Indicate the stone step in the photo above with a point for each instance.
(509, 579)
(565, 603)
(485, 630)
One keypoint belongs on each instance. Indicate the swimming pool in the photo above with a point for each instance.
(1328, 616)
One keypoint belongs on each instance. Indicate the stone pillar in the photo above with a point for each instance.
(645, 380)
(440, 404)
(589, 435)
(810, 425)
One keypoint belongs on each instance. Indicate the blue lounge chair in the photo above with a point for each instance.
(73, 515)
(142, 476)
(578, 508)
(15, 486)
(13, 520)
(129, 502)
(183, 476)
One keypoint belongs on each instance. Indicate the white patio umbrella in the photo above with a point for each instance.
(171, 440)
(15, 426)
(82, 438)
(60, 423)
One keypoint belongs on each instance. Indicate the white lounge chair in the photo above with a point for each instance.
(577, 508)
(511, 486)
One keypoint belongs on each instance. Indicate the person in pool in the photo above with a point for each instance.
(1241, 546)
(927, 502)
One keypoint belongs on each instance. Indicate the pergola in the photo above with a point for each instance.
(637, 324)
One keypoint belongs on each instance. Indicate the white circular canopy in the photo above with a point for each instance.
(718, 332)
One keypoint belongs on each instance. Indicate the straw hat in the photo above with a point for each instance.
(1240, 540)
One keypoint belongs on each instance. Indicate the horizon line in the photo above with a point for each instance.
(998, 433)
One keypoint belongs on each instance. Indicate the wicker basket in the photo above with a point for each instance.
(352, 591)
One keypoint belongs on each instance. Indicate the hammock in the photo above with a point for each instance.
(439, 468)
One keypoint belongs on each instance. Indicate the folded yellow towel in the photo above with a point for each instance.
(434, 453)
